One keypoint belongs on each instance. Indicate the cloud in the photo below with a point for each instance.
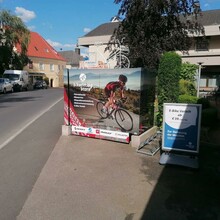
(86, 30)
(69, 45)
(31, 28)
(53, 43)
(24, 14)
(58, 45)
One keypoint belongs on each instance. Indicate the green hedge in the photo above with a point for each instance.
(168, 81)
(187, 87)
(187, 99)
(209, 116)
(205, 103)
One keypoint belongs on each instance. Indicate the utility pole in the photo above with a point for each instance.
(198, 78)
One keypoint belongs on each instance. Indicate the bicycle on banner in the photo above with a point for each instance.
(121, 116)
(119, 55)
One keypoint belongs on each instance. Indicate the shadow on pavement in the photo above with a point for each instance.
(17, 99)
(184, 193)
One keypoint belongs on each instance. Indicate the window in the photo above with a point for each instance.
(203, 82)
(41, 66)
(209, 81)
(52, 67)
(30, 64)
(202, 44)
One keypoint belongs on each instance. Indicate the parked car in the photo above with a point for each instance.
(5, 85)
(40, 84)
(44, 85)
(19, 79)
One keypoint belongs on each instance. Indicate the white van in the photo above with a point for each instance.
(19, 79)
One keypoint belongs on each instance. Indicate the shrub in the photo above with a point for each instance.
(205, 102)
(187, 87)
(209, 116)
(46, 79)
(188, 71)
(168, 81)
(187, 99)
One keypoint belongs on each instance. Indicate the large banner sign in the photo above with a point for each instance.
(107, 103)
(181, 127)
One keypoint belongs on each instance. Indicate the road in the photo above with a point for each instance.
(30, 128)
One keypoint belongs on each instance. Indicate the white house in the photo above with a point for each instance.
(96, 42)
(207, 51)
(204, 52)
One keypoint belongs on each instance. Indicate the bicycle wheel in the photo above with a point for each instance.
(122, 62)
(99, 107)
(124, 120)
(125, 62)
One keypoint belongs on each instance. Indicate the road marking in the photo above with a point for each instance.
(22, 129)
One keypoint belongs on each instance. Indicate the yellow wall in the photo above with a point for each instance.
(55, 76)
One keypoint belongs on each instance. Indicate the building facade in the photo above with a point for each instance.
(45, 61)
(204, 51)
(72, 58)
(96, 41)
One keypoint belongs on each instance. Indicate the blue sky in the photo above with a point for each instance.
(61, 23)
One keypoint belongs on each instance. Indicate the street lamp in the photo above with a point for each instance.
(198, 78)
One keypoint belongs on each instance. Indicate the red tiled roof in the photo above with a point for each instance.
(39, 47)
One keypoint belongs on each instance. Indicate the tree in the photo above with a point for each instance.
(187, 79)
(188, 71)
(152, 27)
(168, 81)
(15, 33)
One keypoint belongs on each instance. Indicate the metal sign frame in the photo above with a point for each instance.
(181, 127)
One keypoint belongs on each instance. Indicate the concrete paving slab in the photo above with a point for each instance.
(94, 179)
(90, 179)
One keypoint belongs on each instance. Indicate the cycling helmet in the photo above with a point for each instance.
(123, 78)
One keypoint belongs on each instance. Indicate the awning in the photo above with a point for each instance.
(36, 74)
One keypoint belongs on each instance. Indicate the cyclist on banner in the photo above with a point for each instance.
(110, 90)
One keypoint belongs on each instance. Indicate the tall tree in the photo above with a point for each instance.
(15, 33)
(152, 27)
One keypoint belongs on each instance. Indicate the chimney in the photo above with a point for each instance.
(77, 50)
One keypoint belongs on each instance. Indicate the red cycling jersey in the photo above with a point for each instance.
(112, 86)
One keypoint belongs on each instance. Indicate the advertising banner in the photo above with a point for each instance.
(107, 103)
(181, 127)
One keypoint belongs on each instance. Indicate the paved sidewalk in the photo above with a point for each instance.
(94, 179)
(91, 179)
